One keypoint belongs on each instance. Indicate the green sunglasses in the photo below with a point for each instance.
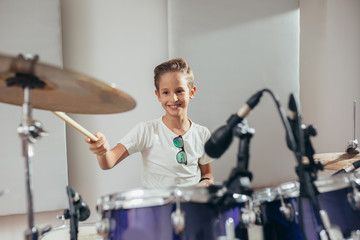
(181, 155)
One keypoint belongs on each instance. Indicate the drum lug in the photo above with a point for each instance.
(259, 216)
(331, 232)
(178, 217)
(103, 227)
(286, 210)
(355, 235)
(248, 217)
(178, 221)
(354, 197)
(229, 230)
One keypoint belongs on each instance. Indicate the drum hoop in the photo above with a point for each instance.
(337, 182)
(290, 189)
(285, 190)
(138, 198)
(263, 195)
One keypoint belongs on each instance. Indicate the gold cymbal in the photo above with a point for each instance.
(57, 89)
(334, 161)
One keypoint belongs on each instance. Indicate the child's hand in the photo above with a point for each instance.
(100, 147)
(205, 183)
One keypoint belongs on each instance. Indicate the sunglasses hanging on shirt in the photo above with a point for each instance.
(181, 157)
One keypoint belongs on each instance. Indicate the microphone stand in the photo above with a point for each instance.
(308, 174)
(72, 213)
(240, 177)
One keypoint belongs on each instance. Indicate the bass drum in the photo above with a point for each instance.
(164, 214)
(87, 231)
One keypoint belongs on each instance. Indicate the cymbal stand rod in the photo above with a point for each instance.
(28, 153)
(29, 130)
(352, 145)
(354, 119)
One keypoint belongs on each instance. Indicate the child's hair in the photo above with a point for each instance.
(174, 65)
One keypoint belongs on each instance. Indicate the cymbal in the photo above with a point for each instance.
(335, 161)
(58, 89)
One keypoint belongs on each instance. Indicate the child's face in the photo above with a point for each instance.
(174, 93)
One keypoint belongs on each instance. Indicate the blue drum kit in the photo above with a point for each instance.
(324, 208)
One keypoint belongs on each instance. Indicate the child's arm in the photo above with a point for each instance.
(206, 178)
(107, 159)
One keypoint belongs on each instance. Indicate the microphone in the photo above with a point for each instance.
(293, 122)
(349, 168)
(79, 204)
(220, 140)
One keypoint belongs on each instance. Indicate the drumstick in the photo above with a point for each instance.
(74, 124)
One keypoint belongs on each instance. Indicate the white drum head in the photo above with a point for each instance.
(138, 198)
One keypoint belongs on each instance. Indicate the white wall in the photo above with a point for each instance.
(329, 70)
(122, 56)
(119, 42)
(30, 27)
(237, 49)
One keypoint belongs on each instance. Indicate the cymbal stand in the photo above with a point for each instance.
(353, 144)
(29, 131)
(308, 175)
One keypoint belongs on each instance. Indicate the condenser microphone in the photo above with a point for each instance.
(220, 140)
(349, 168)
(80, 205)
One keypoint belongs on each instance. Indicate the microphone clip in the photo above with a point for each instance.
(240, 178)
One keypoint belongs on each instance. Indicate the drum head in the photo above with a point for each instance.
(138, 198)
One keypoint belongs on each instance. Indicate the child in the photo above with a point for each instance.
(172, 147)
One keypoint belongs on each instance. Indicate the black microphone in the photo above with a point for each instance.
(79, 204)
(293, 122)
(349, 168)
(220, 140)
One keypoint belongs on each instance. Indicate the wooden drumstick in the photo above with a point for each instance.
(74, 124)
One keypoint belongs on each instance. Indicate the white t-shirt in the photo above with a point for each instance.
(155, 142)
